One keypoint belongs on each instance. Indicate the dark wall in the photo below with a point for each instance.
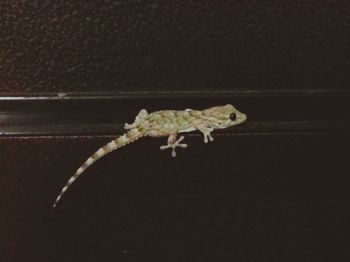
(243, 198)
(80, 46)
(273, 189)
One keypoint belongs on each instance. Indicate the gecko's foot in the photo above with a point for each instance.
(174, 145)
(206, 136)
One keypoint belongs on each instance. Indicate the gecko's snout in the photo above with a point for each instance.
(243, 117)
(240, 117)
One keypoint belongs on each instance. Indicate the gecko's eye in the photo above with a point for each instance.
(232, 116)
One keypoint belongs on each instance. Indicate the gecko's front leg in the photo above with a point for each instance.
(173, 143)
(206, 132)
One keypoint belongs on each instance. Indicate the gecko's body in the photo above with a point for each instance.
(167, 123)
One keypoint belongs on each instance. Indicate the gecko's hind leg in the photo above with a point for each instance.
(139, 118)
(173, 144)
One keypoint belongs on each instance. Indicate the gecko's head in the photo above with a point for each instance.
(225, 116)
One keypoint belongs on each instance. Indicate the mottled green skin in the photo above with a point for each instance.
(166, 123)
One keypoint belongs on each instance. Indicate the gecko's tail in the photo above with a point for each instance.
(130, 136)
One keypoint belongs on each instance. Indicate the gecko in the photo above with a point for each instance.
(166, 123)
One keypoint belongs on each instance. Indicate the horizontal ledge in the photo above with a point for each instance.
(174, 94)
(105, 115)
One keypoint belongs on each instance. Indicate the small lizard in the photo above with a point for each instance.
(166, 123)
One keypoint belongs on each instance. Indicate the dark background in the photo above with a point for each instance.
(273, 189)
(94, 46)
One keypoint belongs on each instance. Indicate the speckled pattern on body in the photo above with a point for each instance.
(166, 123)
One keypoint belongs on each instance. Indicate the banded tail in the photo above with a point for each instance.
(131, 136)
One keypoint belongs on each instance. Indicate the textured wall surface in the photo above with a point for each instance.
(71, 46)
